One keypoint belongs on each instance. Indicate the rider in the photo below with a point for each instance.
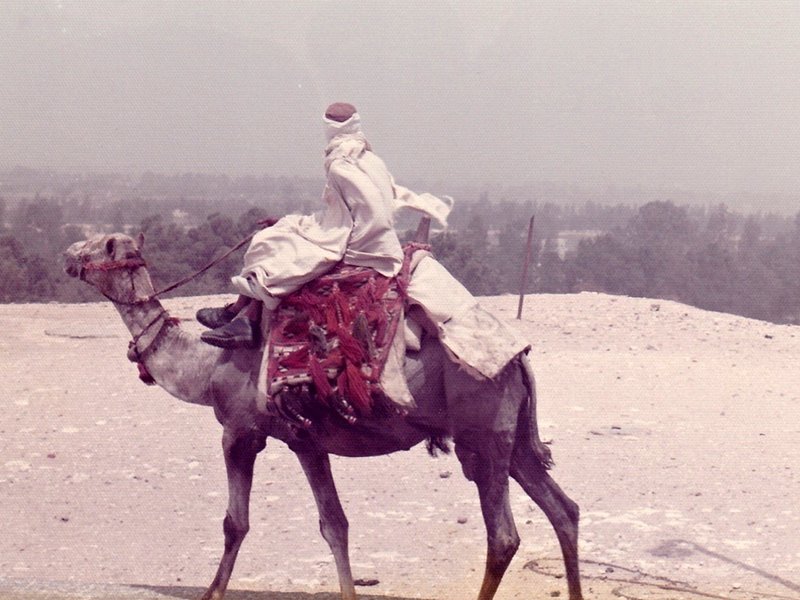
(356, 227)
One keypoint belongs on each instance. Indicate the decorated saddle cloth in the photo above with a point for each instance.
(339, 334)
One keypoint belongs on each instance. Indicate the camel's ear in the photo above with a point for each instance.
(110, 245)
(140, 240)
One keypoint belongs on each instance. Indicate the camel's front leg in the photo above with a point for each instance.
(332, 520)
(240, 455)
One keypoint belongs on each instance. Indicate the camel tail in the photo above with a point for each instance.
(437, 443)
(527, 424)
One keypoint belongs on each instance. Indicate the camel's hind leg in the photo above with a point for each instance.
(483, 416)
(562, 512)
(332, 520)
(240, 456)
(485, 461)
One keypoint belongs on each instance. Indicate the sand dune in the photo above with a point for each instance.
(676, 430)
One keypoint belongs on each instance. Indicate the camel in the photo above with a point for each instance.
(491, 422)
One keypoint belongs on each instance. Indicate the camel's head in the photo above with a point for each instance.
(101, 260)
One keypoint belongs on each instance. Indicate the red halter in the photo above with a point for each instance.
(126, 263)
(115, 265)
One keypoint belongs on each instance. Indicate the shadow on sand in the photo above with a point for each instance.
(194, 593)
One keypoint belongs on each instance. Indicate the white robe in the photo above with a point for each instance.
(357, 226)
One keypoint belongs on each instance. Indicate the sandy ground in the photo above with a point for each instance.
(676, 430)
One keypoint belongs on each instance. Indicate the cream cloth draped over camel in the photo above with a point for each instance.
(356, 225)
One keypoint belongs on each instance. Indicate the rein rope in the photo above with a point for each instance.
(137, 262)
(213, 263)
(132, 345)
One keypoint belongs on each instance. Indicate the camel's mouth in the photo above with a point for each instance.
(73, 258)
(71, 268)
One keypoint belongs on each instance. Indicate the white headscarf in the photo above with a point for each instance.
(336, 128)
(345, 139)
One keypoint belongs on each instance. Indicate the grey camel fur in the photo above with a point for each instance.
(492, 423)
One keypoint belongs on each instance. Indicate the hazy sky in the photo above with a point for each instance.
(699, 95)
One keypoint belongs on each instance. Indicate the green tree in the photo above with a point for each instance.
(13, 279)
(466, 263)
(224, 228)
(40, 278)
(721, 226)
(42, 214)
(477, 233)
(661, 226)
(551, 274)
(248, 220)
(750, 239)
(165, 248)
(608, 265)
(507, 258)
(711, 282)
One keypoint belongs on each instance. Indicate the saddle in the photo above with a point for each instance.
(336, 334)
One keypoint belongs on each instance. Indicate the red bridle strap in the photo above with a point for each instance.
(127, 263)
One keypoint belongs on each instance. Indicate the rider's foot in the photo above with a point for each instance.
(216, 317)
(239, 333)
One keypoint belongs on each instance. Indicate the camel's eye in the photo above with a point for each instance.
(110, 247)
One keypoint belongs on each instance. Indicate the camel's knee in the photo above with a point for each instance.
(242, 447)
(569, 507)
(502, 548)
(235, 531)
(334, 529)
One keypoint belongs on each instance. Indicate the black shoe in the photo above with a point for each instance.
(216, 317)
(239, 333)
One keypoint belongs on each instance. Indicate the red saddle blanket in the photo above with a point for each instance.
(336, 333)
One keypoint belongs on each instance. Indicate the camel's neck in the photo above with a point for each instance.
(178, 361)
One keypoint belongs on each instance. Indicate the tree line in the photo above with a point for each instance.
(710, 257)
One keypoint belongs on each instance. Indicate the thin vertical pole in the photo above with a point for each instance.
(523, 284)
(423, 230)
